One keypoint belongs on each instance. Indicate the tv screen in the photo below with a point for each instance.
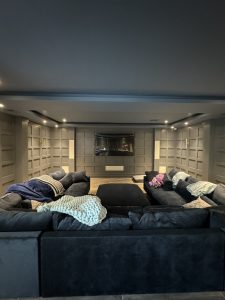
(111, 144)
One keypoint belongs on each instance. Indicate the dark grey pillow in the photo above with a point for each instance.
(188, 218)
(78, 189)
(167, 183)
(25, 221)
(181, 189)
(191, 179)
(57, 175)
(208, 200)
(67, 181)
(151, 174)
(65, 222)
(172, 172)
(218, 195)
(79, 176)
(10, 200)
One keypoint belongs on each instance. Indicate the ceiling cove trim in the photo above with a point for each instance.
(19, 95)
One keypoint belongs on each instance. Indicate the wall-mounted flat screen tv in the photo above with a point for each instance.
(111, 144)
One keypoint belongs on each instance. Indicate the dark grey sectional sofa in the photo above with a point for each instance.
(156, 251)
(167, 195)
(139, 249)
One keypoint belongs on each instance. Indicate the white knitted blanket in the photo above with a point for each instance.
(86, 209)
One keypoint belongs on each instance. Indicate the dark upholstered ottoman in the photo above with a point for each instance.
(121, 197)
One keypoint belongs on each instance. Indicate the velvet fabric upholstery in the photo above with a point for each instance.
(187, 218)
(78, 189)
(167, 183)
(118, 262)
(65, 222)
(19, 264)
(191, 180)
(123, 210)
(57, 175)
(10, 200)
(217, 217)
(160, 196)
(121, 194)
(218, 195)
(25, 221)
(172, 172)
(151, 174)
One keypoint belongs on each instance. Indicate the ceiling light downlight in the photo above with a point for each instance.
(185, 123)
(166, 121)
(2, 105)
(56, 126)
(44, 121)
(64, 120)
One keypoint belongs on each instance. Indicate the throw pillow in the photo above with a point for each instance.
(157, 181)
(167, 183)
(190, 218)
(78, 189)
(178, 176)
(172, 172)
(181, 189)
(57, 175)
(198, 203)
(151, 174)
(218, 195)
(10, 200)
(201, 188)
(191, 179)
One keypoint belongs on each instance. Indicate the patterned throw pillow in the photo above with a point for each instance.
(198, 203)
(201, 188)
(157, 181)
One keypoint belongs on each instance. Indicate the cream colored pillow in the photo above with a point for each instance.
(198, 203)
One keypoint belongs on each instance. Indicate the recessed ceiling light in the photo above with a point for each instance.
(2, 105)
(175, 128)
(186, 123)
(56, 125)
(172, 127)
(44, 121)
(166, 121)
(64, 120)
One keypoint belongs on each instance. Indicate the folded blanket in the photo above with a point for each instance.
(43, 188)
(86, 209)
(200, 188)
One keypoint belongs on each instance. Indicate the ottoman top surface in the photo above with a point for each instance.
(121, 194)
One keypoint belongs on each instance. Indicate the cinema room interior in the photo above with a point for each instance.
(112, 149)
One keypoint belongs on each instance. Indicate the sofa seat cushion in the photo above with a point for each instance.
(166, 197)
(189, 218)
(122, 194)
(25, 221)
(65, 222)
(123, 210)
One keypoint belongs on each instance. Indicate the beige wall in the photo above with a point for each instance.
(28, 150)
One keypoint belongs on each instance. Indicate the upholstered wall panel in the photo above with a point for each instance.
(62, 148)
(7, 151)
(39, 149)
(218, 151)
(165, 159)
(95, 165)
(190, 150)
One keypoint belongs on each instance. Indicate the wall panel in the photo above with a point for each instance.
(7, 151)
(95, 165)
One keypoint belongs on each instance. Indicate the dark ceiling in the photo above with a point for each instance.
(112, 47)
